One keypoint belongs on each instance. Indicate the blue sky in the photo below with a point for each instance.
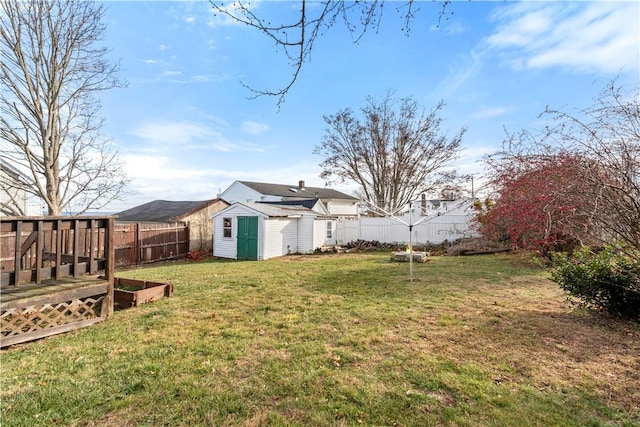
(186, 128)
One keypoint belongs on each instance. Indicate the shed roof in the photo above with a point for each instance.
(164, 210)
(283, 190)
(306, 203)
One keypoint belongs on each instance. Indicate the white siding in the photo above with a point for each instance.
(342, 207)
(224, 247)
(6, 195)
(319, 232)
(305, 234)
(280, 237)
(320, 237)
(238, 192)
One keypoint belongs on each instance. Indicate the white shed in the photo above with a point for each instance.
(258, 231)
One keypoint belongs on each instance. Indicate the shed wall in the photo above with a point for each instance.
(319, 233)
(226, 247)
(320, 237)
(280, 237)
(305, 234)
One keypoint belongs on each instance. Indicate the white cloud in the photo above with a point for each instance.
(151, 61)
(163, 47)
(171, 73)
(449, 28)
(599, 37)
(254, 128)
(489, 112)
(189, 19)
(467, 67)
(191, 136)
(200, 78)
(181, 133)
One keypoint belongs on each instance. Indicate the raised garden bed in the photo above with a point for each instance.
(131, 293)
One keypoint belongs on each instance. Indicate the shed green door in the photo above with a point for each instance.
(247, 238)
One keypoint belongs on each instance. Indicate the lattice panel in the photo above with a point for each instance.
(29, 319)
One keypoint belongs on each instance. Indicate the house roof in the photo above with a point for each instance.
(164, 210)
(306, 203)
(289, 191)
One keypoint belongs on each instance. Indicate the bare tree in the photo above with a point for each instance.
(298, 37)
(395, 151)
(608, 134)
(52, 69)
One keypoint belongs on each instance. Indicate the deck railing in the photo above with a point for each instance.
(56, 275)
(35, 249)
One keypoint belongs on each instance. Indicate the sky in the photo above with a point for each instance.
(186, 128)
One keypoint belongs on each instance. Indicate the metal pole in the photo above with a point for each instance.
(411, 242)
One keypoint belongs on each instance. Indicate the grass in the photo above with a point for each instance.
(335, 340)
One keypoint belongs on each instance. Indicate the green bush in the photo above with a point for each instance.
(606, 280)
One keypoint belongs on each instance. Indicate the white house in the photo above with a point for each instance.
(430, 207)
(13, 196)
(327, 201)
(259, 231)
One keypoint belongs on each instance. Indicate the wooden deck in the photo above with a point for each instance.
(49, 282)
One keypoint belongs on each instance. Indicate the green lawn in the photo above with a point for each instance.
(331, 341)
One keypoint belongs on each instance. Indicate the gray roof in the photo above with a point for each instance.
(163, 210)
(305, 203)
(290, 191)
(279, 211)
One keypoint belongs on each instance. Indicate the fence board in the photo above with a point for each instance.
(141, 243)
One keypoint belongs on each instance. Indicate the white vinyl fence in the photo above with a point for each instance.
(434, 230)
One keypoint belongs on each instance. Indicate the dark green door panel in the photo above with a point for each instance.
(247, 238)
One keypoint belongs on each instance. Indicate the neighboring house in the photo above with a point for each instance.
(259, 231)
(327, 201)
(13, 198)
(430, 207)
(197, 215)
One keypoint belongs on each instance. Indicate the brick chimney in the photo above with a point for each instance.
(301, 184)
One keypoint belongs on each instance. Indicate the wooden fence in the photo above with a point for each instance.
(142, 243)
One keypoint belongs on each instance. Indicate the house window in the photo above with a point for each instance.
(329, 230)
(226, 227)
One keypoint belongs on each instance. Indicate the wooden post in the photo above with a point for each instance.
(39, 251)
(177, 239)
(110, 259)
(18, 255)
(76, 247)
(58, 249)
(92, 235)
(136, 243)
